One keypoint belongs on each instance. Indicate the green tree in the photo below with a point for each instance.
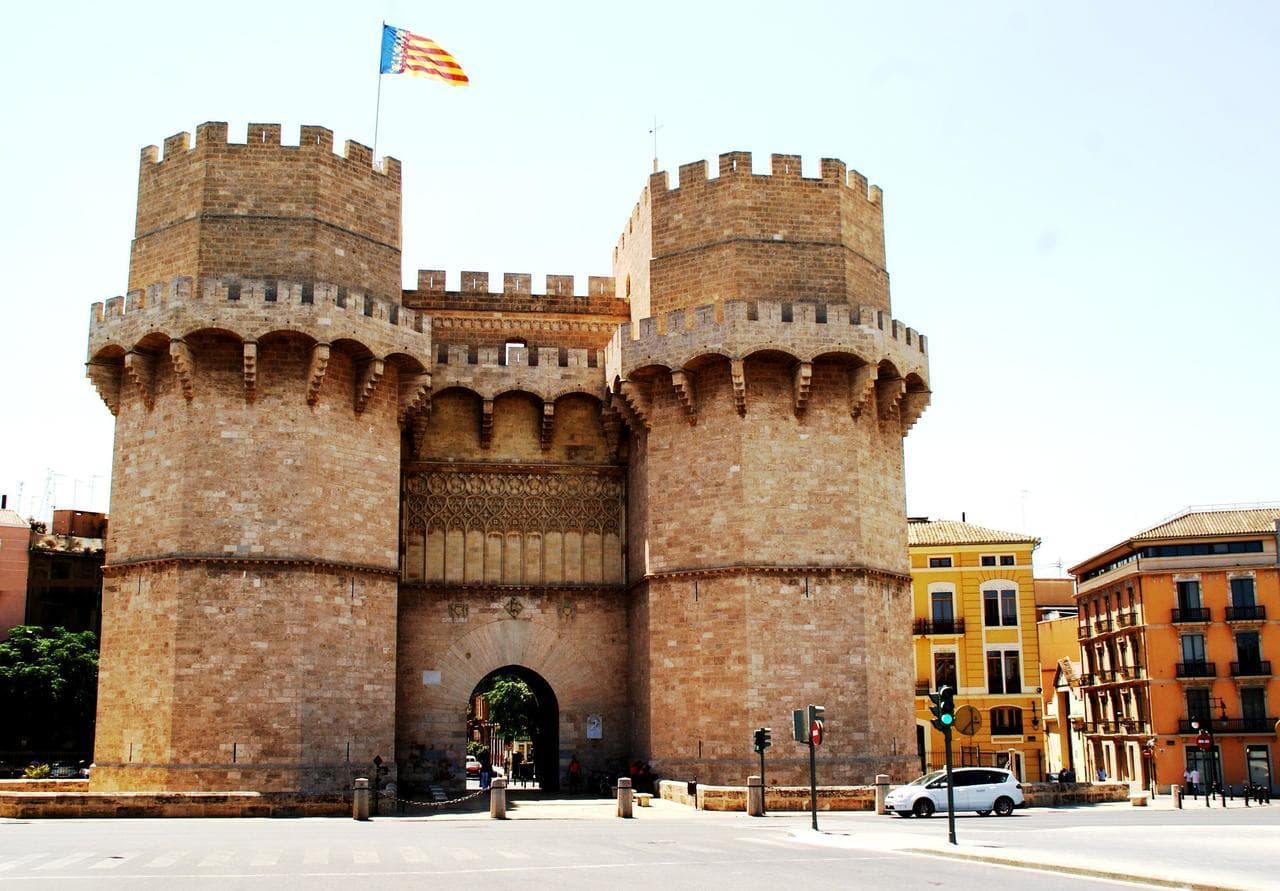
(48, 688)
(512, 705)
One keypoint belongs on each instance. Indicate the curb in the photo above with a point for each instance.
(1082, 871)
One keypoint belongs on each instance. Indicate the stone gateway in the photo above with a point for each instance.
(673, 501)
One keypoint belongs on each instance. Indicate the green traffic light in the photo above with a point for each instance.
(948, 719)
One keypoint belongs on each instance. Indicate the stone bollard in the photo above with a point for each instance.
(624, 796)
(1177, 796)
(498, 798)
(360, 800)
(755, 797)
(882, 792)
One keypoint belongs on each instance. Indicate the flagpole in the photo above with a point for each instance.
(377, 110)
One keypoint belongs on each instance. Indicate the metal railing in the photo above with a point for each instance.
(938, 626)
(1255, 613)
(1228, 725)
(1192, 614)
(1253, 669)
(1196, 670)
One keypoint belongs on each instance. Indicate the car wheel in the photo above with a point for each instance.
(1004, 807)
(923, 808)
(984, 813)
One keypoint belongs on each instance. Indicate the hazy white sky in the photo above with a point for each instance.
(1080, 203)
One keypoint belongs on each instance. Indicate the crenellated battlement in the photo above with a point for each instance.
(260, 138)
(517, 294)
(784, 169)
(248, 296)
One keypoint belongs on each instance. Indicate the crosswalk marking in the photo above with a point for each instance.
(364, 855)
(166, 859)
(217, 858)
(316, 857)
(10, 864)
(267, 858)
(775, 842)
(464, 854)
(412, 855)
(66, 861)
(115, 861)
(513, 855)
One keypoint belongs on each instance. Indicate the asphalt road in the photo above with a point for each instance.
(581, 844)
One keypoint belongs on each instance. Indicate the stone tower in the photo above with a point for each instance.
(768, 393)
(258, 370)
(673, 504)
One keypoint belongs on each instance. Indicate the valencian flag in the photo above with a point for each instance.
(404, 52)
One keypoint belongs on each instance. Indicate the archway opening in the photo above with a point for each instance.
(514, 712)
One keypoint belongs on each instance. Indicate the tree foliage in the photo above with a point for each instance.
(48, 687)
(512, 705)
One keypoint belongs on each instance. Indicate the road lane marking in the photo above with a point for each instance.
(364, 855)
(411, 854)
(513, 855)
(217, 858)
(316, 856)
(464, 854)
(166, 860)
(268, 857)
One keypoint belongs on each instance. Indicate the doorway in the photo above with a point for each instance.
(521, 715)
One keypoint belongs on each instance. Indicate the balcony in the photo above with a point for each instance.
(1258, 668)
(1083, 632)
(922, 688)
(1227, 726)
(1191, 615)
(1102, 626)
(938, 626)
(1196, 670)
(1246, 614)
(1126, 620)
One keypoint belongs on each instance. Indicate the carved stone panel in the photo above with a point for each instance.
(521, 525)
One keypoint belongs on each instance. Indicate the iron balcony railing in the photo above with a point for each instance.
(939, 626)
(1196, 670)
(1254, 669)
(1101, 626)
(1191, 614)
(1246, 613)
(922, 688)
(1228, 725)
(1126, 620)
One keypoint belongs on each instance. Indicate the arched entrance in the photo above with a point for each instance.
(543, 725)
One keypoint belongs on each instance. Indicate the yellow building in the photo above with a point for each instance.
(975, 630)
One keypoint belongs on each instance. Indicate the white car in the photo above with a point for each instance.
(981, 789)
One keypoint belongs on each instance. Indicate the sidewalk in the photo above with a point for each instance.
(1196, 852)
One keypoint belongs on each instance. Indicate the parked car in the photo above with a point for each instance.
(981, 789)
(473, 766)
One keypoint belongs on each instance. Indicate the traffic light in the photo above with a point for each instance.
(763, 738)
(942, 705)
(817, 713)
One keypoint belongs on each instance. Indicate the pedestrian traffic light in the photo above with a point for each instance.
(817, 713)
(942, 705)
(763, 738)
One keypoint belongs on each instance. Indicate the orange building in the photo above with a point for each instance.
(1175, 626)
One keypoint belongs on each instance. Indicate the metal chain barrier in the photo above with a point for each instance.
(433, 804)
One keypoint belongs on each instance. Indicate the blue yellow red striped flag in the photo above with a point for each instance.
(404, 52)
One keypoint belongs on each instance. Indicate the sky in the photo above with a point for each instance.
(1080, 204)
